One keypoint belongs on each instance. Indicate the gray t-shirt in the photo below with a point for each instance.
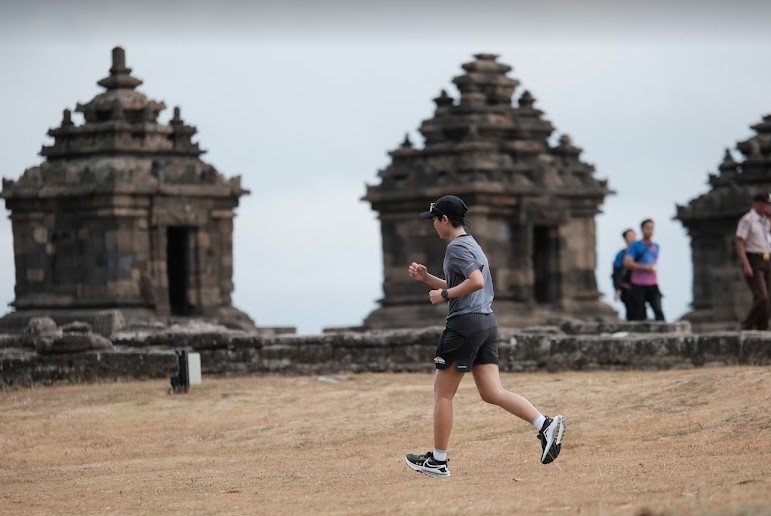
(464, 256)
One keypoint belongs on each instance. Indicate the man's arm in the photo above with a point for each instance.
(419, 272)
(629, 263)
(616, 277)
(618, 269)
(474, 282)
(740, 250)
(618, 273)
(434, 282)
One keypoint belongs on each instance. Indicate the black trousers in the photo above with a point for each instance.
(757, 317)
(640, 296)
(626, 298)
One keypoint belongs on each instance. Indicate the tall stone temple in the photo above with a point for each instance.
(720, 295)
(122, 214)
(532, 206)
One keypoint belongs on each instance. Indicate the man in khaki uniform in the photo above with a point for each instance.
(754, 250)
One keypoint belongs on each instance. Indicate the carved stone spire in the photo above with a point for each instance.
(182, 134)
(729, 165)
(526, 100)
(121, 120)
(758, 147)
(443, 99)
(67, 118)
(485, 81)
(120, 76)
(566, 147)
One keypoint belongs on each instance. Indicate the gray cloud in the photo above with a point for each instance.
(396, 20)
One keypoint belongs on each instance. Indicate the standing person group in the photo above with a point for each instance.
(753, 247)
(469, 342)
(641, 259)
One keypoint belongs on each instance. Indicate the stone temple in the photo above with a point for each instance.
(123, 215)
(532, 206)
(720, 294)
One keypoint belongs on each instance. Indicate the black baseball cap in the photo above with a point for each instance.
(449, 205)
(762, 197)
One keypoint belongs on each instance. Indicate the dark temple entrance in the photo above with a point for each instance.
(178, 260)
(546, 263)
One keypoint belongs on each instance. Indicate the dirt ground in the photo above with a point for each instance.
(673, 442)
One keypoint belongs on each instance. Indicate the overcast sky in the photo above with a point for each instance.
(304, 102)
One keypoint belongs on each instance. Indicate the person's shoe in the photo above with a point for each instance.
(550, 436)
(427, 464)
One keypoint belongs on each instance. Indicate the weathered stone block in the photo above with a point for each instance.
(35, 275)
(72, 343)
(203, 240)
(40, 235)
(755, 348)
(108, 322)
(11, 341)
(81, 327)
(40, 331)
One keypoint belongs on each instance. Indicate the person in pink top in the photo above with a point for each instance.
(641, 258)
(754, 250)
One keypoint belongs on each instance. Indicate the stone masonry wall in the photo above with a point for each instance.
(136, 356)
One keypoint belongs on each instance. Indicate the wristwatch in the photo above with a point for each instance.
(445, 295)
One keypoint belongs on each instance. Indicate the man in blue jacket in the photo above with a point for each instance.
(642, 258)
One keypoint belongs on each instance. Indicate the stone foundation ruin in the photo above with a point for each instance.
(149, 353)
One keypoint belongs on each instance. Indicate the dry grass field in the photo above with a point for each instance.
(672, 442)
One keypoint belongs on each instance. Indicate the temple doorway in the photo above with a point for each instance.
(179, 243)
(546, 264)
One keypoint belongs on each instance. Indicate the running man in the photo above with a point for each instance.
(470, 340)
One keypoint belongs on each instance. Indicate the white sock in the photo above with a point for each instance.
(440, 455)
(538, 422)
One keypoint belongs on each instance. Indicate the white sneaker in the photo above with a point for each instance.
(427, 464)
(550, 436)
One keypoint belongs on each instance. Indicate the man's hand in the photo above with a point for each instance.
(747, 270)
(436, 296)
(418, 272)
(617, 295)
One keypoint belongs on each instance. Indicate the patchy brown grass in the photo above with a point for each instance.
(675, 442)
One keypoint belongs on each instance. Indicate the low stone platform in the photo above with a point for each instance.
(21, 367)
(149, 352)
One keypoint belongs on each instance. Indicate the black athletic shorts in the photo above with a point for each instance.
(467, 340)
